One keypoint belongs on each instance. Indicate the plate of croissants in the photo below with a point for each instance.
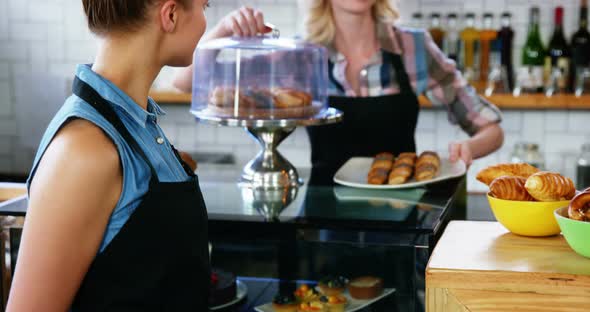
(405, 170)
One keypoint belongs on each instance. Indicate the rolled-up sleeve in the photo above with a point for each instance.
(446, 86)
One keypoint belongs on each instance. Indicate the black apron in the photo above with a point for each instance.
(370, 125)
(159, 260)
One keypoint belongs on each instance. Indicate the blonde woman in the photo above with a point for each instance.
(376, 72)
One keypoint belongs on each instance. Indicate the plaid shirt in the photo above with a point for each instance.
(429, 70)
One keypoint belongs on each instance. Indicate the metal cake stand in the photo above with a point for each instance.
(269, 169)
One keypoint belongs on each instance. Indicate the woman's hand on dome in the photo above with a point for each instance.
(244, 22)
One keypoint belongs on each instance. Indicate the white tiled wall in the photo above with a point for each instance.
(44, 39)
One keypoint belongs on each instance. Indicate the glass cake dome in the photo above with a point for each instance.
(259, 78)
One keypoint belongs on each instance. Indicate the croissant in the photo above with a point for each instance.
(400, 174)
(550, 186)
(383, 160)
(510, 188)
(488, 174)
(427, 166)
(428, 157)
(406, 158)
(579, 208)
(377, 176)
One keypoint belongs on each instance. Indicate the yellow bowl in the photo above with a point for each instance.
(527, 218)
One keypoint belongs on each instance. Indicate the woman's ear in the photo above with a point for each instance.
(169, 15)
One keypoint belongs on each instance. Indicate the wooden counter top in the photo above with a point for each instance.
(503, 101)
(480, 266)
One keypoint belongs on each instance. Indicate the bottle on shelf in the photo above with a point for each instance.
(530, 74)
(451, 42)
(581, 51)
(469, 48)
(557, 61)
(506, 37)
(496, 80)
(583, 168)
(436, 30)
(417, 20)
(487, 36)
(528, 152)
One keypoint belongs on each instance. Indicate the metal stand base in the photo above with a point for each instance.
(269, 169)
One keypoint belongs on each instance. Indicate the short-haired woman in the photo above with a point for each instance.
(376, 71)
(116, 220)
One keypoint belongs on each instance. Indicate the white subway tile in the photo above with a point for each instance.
(234, 136)
(578, 122)
(22, 162)
(11, 50)
(570, 166)
(301, 138)
(4, 70)
(5, 99)
(18, 10)
(4, 22)
(6, 164)
(426, 120)
(556, 121)
(39, 61)
(296, 156)
(6, 145)
(44, 11)
(28, 31)
(8, 126)
(568, 142)
(511, 120)
(533, 127)
(56, 43)
(555, 162)
(206, 134)
(425, 141)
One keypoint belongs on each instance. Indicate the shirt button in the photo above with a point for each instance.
(160, 140)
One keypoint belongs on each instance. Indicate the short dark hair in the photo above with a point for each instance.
(105, 16)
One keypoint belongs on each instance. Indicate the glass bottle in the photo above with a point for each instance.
(436, 30)
(557, 61)
(506, 37)
(581, 49)
(528, 153)
(451, 42)
(417, 20)
(469, 47)
(533, 56)
(583, 168)
(487, 35)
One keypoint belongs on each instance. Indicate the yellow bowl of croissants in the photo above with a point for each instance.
(523, 198)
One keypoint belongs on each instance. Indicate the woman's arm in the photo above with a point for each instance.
(244, 22)
(487, 140)
(75, 189)
(475, 115)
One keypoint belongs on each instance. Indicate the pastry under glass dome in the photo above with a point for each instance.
(259, 78)
(269, 85)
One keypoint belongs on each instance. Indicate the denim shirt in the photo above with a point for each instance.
(142, 125)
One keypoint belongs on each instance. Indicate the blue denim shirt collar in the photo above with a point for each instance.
(113, 94)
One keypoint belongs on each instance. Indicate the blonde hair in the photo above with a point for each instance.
(319, 20)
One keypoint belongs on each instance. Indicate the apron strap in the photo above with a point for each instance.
(88, 94)
(400, 72)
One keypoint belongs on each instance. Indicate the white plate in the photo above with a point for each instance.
(241, 292)
(353, 304)
(354, 173)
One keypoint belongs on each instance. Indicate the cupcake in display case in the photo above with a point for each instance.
(257, 78)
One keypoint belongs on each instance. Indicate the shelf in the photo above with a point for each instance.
(503, 101)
